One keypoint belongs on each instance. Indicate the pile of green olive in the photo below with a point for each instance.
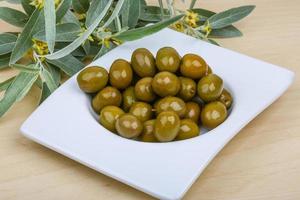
(157, 99)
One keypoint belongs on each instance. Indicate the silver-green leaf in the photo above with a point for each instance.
(12, 16)
(17, 90)
(62, 9)
(24, 41)
(153, 14)
(94, 11)
(138, 33)
(48, 79)
(32, 68)
(226, 32)
(81, 6)
(228, 17)
(7, 43)
(29, 9)
(50, 21)
(4, 61)
(5, 84)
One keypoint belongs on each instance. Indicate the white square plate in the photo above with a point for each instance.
(65, 124)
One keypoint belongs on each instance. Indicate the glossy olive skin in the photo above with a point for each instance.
(226, 98)
(143, 90)
(174, 104)
(188, 129)
(108, 117)
(193, 111)
(210, 87)
(92, 79)
(209, 70)
(143, 62)
(193, 66)
(167, 59)
(129, 98)
(167, 126)
(213, 114)
(120, 74)
(142, 110)
(129, 126)
(106, 97)
(188, 88)
(165, 84)
(148, 131)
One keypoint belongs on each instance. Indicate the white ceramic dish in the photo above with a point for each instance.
(65, 124)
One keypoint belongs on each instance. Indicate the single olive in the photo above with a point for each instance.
(165, 84)
(129, 126)
(143, 62)
(188, 88)
(92, 79)
(167, 59)
(143, 111)
(226, 98)
(167, 126)
(120, 74)
(108, 96)
(210, 87)
(188, 129)
(193, 111)
(128, 98)
(108, 117)
(213, 114)
(171, 104)
(148, 131)
(193, 66)
(143, 90)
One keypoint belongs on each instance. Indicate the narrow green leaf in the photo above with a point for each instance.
(96, 8)
(69, 64)
(5, 84)
(50, 21)
(161, 6)
(226, 32)
(62, 9)
(4, 61)
(192, 4)
(45, 93)
(203, 12)
(76, 43)
(125, 13)
(213, 42)
(12, 16)
(134, 13)
(24, 41)
(104, 50)
(17, 90)
(138, 33)
(7, 43)
(14, 1)
(69, 17)
(26, 89)
(153, 14)
(55, 73)
(80, 6)
(47, 78)
(29, 9)
(114, 14)
(230, 16)
(86, 47)
(66, 32)
(32, 68)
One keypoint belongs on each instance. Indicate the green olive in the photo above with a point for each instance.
(209, 70)
(167, 126)
(143, 62)
(143, 111)
(171, 104)
(108, 117)
(213, 114)
(165, 84)
(128, 98)
(120, 74)
(129, 126)
(188, 88)
(148, 131)
(193, 66)
(92, 79)
(108, 96)
(226, 98)
(188, 129)
(193, 111)
(143, 90)
(210, 87)
(167, 59)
